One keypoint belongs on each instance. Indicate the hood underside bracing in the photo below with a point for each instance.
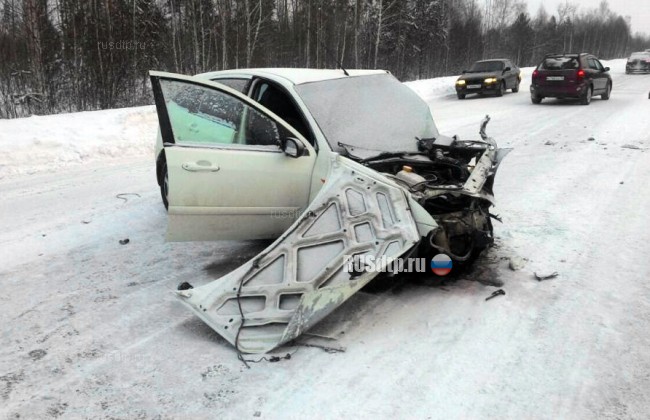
(301, 277)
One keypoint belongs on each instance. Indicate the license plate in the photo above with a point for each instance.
(473, 86)
(555, 78)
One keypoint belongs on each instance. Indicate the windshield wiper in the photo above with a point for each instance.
(385, 155)
(348, 148)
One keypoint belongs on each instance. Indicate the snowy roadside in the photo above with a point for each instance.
(47, 144)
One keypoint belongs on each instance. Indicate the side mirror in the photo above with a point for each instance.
(464, 71)
(606, 69)
(507, 69)
(293, 147)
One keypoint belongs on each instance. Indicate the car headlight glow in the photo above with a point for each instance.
(460, 82)
(490, 80)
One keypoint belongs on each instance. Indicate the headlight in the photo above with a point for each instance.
(490, 80)
(460, 82)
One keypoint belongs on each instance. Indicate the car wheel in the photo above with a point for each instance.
(460, 95)
(516, 88)
(586, 97)
(502, 89)
(164, 185)
(536, 99)
(608, 91)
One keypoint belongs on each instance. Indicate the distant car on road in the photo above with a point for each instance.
(489, 76)
(639, 62)
(579, 76)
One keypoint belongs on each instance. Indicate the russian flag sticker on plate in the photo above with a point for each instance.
(441, 265)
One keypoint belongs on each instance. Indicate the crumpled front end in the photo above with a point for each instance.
(452, 180)
(302, 276)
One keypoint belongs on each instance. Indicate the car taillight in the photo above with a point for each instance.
(580, 74)
(535, 74)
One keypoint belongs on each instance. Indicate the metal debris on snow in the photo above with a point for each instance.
(541, 277)
(495, 294)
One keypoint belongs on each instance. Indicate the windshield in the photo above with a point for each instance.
(486, 66)
(375, 113)
(639, 56)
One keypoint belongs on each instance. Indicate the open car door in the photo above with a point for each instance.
(235, 169)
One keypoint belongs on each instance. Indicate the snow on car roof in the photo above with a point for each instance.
(296, 76)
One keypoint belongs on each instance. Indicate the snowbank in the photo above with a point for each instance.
(49, 143)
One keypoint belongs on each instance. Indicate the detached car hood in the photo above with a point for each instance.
(301, 277)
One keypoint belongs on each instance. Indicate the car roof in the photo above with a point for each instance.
(493, 59)
(573, 55)
(295, 76)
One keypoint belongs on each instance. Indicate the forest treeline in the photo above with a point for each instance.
(73, 55)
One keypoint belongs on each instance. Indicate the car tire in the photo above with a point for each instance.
(502, 89)
(164, 184)
(516, 88)
(608, 91)
(586, 97)
(460, 95)
(536, 99)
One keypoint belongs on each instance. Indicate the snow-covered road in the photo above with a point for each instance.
(91, 327)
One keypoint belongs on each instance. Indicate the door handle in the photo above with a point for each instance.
(200, 166)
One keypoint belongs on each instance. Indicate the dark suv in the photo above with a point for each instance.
(579, 76)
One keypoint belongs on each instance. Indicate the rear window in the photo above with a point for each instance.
(559, 63)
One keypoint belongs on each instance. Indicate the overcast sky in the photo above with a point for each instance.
(638, 10)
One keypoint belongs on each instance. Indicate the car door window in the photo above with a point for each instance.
(200, 115)
(599, 65)
(239, 84)
(592, 64)
(279, 102)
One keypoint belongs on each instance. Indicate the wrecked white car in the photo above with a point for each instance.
(332, 163)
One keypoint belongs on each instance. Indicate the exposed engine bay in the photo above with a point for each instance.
(442, 178)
